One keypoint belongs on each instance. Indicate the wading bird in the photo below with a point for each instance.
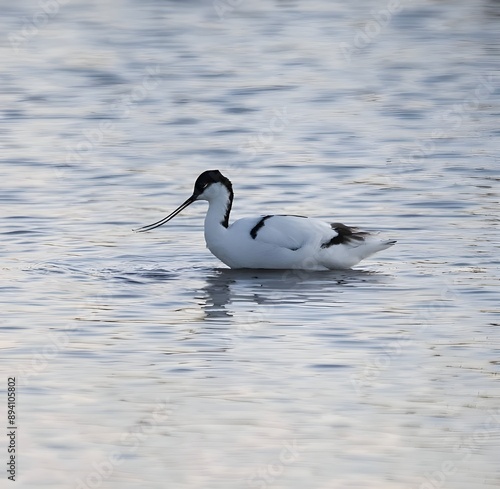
(274, 241)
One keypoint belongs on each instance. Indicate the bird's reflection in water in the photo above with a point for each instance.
(225, 287)
(216, 295)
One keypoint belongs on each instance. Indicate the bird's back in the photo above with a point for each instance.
(283, 241)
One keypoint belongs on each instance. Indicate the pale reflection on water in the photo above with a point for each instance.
(141, 361)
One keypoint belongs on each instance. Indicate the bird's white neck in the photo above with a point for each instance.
(217, 218)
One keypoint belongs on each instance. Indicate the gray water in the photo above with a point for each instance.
(140, 359)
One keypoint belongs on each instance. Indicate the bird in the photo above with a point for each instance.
(273, 241)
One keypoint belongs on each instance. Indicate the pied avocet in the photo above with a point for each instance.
(274, 241)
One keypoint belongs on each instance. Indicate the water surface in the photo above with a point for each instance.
(141, 360)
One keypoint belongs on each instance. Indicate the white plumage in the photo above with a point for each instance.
(274, 242)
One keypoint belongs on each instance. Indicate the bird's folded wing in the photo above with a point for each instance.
(293, 232)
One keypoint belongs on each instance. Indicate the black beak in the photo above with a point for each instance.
(149, 227)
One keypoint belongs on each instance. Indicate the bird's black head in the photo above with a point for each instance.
(208, 178)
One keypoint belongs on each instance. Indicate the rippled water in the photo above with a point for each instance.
(142, 361)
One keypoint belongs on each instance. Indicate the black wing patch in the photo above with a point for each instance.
(259, 224)
(345, 235)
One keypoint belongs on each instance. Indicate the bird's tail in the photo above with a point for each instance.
(369, 247)
(351, 254)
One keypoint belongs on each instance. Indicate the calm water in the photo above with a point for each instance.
(142, 361)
